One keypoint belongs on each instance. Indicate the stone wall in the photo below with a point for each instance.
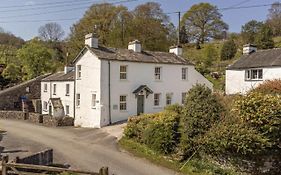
(41, 158)
(37, 118)
(11, 97)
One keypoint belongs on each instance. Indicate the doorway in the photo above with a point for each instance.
(140, 103)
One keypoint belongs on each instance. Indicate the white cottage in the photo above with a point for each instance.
(57, 93)
(253, 68)
(112, 84)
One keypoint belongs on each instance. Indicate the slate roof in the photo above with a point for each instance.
(60, 76)
(56, 102)
(129, 55)
(261, 58)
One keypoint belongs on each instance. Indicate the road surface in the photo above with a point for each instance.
(86, 149)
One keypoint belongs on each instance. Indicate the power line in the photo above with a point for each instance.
(61, 10)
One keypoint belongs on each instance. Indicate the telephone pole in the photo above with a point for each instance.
(179, 27)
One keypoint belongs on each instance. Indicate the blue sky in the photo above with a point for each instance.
(24, 17)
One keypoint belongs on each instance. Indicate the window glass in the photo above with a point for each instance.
(123, 103)
(123, 72)
(157, 73)
(156, 99)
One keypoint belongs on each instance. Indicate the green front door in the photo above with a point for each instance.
(140, 103)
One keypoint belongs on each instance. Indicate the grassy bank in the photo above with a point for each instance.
(193, 167)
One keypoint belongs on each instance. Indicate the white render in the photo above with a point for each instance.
(95, 80)
(236, 83)
(66, 99)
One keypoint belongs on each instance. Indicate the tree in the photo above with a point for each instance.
(51, 32)
(264, 39)
(203, 22)
(274, 18)
(228, 50)
(12, 72)
(36, 59)
(250, 30)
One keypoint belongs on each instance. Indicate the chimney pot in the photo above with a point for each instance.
(135, 46)
(177, 50)
(249, 48)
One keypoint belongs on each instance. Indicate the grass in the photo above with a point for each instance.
(193, 167)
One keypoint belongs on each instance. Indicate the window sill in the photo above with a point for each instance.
(184, 79)
(124, 80)
(124, 111)
(158, 80)
(157, 107)
(254, 80)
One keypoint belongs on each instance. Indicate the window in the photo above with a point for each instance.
(157, 73)
(183, 96)
(94, 100)
(184, 74)
(123, 72)
(67, 110)
(45, 106)
(123, 102)
(54, 89)
(254, 74)
(168, 98)
(67, 89)
(157, 99)
(79, 71)
(78, 100)
(45, 87)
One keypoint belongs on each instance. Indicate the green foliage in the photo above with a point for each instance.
(210, 55)
(203, 21)
(228, 50)
(36, 59)
(201, 111)
(12, 72)
(231, 137)
(174, 108)
(262, 112)
(272, 87)
(250, 30)
(274, 18)
(264, 39)
(159, 131)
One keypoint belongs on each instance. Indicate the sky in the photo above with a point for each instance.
(24, 17)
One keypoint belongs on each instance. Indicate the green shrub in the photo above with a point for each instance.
(200, 112)
(262, 112)
(233, 138)
(269, 87)
(175, 108)
(162, 134)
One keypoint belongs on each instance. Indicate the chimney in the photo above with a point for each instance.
(249, 48)
(177, 50)
(135, 46)
(68, 69)
(92, 40)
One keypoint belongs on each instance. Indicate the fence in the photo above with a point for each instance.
(28, 169)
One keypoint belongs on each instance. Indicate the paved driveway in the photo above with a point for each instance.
(87, 149)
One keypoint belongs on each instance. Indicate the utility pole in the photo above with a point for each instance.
(123, 33)
(179, 27)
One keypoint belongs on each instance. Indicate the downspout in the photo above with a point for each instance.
(109, 93)
(74, 89)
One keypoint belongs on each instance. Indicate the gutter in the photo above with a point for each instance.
(109, 92)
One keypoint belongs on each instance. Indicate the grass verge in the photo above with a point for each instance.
(193, 167)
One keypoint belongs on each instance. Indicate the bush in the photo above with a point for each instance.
(233, 138)
(262, 112)
(269, 87)
(174, 108)
(228, 50)
(200, 112)
(162, 133)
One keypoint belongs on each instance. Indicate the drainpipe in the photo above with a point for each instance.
(74, 95)
(109, 93)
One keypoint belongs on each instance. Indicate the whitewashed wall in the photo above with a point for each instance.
(143, 74)
(60, 93)
(235, 80)
(85, 115)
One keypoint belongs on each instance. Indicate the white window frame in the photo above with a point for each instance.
(67, 109)
(123, 73)
(169, 98)
(94, 100)
(45, 87)
(183, 96)
(123, 103)
(67, 89)
(157, 99)
(79, 71)
(78, 100)
(184, 73)
(157, 73)
(254, 74)
(54, 89)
